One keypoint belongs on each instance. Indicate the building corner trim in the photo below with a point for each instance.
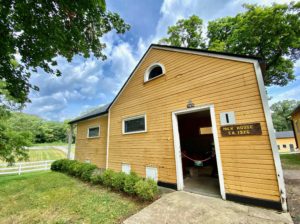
(278, 167)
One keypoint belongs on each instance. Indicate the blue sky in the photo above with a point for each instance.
(86, 83)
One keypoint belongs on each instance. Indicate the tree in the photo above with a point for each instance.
(39, 31)
(270, 33)
(281, 112)
(186, 33)
(32, 35)
(12, 143)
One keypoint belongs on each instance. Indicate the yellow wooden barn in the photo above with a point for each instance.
(192, 120)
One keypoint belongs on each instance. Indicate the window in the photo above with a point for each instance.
(154, 70)
(151, 173)
(278, 146)
(284, 146)
(93, 132)
(291, 147)
(126, 168)
(134, 125)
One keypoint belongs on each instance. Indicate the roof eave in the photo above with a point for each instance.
(88, 117)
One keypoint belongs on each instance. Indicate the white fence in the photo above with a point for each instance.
(25, 167)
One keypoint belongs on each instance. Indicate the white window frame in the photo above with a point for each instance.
(147, 73)
(133, 118)
(88, 131)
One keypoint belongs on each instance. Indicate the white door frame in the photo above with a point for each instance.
(177, 147)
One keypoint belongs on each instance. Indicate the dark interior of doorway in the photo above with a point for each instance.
(199, 164)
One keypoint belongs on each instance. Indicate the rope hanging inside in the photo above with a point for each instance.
(198, 161)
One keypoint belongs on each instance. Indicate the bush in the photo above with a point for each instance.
(107, 177)
(86, 171)
(118, 180)
(56, 165)
(74, 168)
(130, 181)
(131, 184)
(146, 189)
(96, 177)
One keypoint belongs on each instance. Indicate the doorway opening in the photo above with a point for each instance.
(198, 156)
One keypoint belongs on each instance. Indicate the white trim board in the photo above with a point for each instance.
(276, 157)
(177, 147)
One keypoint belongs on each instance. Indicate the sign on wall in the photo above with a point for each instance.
(241, 129)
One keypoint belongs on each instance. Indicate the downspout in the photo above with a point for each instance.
(107, 140)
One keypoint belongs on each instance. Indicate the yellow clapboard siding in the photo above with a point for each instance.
(93, 149)
(247, 161)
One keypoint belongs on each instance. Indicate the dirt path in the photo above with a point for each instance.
(292, 182)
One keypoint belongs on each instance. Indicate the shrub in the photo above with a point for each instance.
(96, 177)
(130, 181)
(56, 165)
(74, 168)
(146, 189)
(86, 171)
(107, 177)
(118, 180)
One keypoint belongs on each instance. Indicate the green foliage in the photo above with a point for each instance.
(290, 161)
(42, 130)
(281, 114)
(107, 177)
(271, 33)
(146, 189)
(83, 171)
(130, 182)
(39, 31)
(268, 32)
(12, 143)
(186, 33)
(96, 177)
(118, 181)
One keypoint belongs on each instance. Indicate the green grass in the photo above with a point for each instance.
(290, 161)
(50, 144)
(50, 197)
(45, 154)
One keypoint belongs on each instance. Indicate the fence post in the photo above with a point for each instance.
(20, 167)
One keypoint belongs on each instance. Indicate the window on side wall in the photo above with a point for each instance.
(278, 146)
(93, 132)
(284, 146)
(135, 124)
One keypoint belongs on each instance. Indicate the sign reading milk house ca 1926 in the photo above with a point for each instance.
(241, 129)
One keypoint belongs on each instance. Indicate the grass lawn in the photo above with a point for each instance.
(51, 144)
(50, 197)
(45, 154)
(290, 161)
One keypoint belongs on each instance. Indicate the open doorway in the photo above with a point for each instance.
(198, 156)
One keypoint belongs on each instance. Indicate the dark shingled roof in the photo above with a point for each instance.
(94, 113)
(285, 134)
